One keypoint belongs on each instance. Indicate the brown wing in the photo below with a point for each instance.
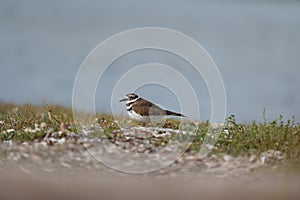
(145, 107)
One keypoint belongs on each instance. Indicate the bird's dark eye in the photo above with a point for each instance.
(132, 96)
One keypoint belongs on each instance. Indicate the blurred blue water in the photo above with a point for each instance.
(255, 44)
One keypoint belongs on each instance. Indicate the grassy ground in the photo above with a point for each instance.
(32, 123)
(243, 154)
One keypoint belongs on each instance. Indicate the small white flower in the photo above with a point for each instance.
(29, 130)
(43, 125)
(10, 130)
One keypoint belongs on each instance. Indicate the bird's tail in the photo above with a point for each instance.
(174, 113)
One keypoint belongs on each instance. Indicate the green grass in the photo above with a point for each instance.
(28, 123)
(260, 137)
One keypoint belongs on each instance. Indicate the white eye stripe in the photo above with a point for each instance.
(131, 101)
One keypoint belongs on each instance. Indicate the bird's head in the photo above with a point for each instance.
(130, 97)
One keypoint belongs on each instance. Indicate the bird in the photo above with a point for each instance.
(143, 110)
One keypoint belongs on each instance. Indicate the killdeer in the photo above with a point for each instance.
(143, 110)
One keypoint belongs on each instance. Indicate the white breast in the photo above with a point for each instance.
(138, 117)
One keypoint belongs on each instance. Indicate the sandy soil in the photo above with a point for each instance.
(65, 168)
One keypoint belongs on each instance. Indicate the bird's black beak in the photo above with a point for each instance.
(123, 100)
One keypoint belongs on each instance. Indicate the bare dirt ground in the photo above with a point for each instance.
(64, 168)
(74, 155)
